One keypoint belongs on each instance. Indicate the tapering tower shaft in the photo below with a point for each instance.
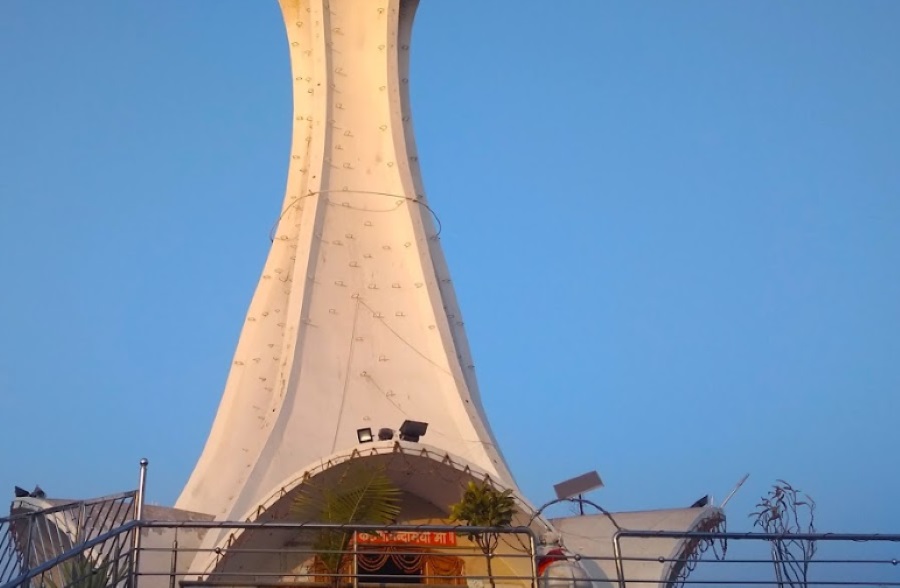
(354, 322)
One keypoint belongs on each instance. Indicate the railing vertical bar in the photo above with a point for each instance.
(41, 539)
(114, 554)
(26, 565)
(355, 562)
(617, 554)
(138, 516)
(10, 554)
(532, 545)
(103, 517)
(80, 523)
(132, 569)
(173, 566)
(58, 540)
(121, 507)
(56, 535)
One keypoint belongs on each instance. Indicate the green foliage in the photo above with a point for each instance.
(80, 572)
(362, 495)
(482, 505)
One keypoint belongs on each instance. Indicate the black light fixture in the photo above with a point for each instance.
(364, 435)
(36, 493)
(412, 430)
(385, 434)
(701, 502)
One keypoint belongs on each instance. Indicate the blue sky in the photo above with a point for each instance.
(674, 230)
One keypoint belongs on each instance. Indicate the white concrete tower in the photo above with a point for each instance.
(354, 322)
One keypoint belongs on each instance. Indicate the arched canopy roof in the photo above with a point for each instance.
(430, 478)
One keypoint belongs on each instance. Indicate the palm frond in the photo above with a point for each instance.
(362, 495)
(81, 572)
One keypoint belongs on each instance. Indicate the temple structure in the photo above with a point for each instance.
(354, 323)
(353, 349)
(354, 327)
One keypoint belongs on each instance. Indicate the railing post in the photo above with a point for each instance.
(533, 547)
(138, 516)
(617, 553)
(115, 554)
(173, 567)
(26, 567)
(355, 563)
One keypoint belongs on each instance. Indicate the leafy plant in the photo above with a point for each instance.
(482, 505)
(786, 511)
(362, 495)
(80, 571)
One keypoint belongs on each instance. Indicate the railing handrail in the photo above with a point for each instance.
(857, 537)
(622, 578)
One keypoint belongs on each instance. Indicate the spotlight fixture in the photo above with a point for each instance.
(364, 435)
(412, 430)
(385, 434)
(701, 502)
(36, 493)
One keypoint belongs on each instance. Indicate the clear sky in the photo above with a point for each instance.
(674, 230)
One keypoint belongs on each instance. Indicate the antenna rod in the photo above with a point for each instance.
(736, 488)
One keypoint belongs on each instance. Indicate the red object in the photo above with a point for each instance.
(548, 558)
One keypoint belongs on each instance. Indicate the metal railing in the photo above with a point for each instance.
(285, 554)
(291, 554)
(106, 561)
(98, 544)
(280, 554)
(87, 543)
(31, 538)
(764, 559)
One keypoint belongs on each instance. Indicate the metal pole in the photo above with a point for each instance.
(533, 547)
(116, 553)
(617, 553)
(173, 568)
(138, 516)
(142, 487)
(355, 563)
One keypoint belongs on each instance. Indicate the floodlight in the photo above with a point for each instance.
(412, 430)
(701, 502)
(385, 434)
(21, 492)
(364, 435)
